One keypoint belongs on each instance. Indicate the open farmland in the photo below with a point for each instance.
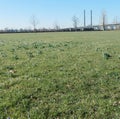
(60, 75)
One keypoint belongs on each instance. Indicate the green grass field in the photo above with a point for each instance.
(74, 75)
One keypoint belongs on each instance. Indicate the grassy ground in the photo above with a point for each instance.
(60, 75)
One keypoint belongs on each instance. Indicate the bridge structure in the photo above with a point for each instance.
(107, 27)
(114, 26)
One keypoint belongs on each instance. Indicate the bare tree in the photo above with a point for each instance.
(34, 22)
(115, 20)
(56, 26)
(104, 20)
(75, 21)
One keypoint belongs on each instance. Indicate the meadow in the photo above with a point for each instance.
(64, 75)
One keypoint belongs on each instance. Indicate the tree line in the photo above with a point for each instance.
(75, 21)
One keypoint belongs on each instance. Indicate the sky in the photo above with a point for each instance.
(17, 14)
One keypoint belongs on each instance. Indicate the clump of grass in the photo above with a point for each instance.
(98, 49)
(30, 54)
(15, 57)
(119, 56)
(10, 67)
(51, 45)
(107, 56)
(12, 50)
(3, 54)
(39, 52)
(25, 46)
(35, 45)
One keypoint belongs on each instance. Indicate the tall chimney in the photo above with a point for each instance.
(91, 17)
(84, 19)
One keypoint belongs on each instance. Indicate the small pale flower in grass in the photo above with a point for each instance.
(106, 73)
(119, 56)
(12, 71)
(116, 103)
